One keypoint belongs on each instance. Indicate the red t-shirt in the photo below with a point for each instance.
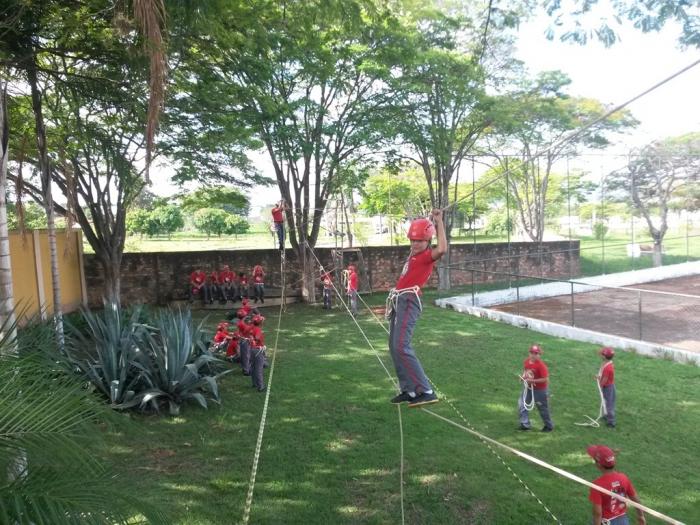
(277, 214)
(226, 276)
(258, 270)
(607, 374)
(417, 270)
(243, 328)
(243, 280)
(539, 371)
(214, 277)
(220, 336)
(259, 279)
(352, 282)
(198, 277)
(615, 482)
(257, 336)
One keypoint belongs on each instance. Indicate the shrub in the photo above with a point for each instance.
(138, 365)
(600, 230)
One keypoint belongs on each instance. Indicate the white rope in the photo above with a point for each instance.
(389, 375)
(602, 410)
(263, 418)
(559, 471)
(528, 388)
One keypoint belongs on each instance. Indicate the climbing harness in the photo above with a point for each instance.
(602, 411)
(393, 298)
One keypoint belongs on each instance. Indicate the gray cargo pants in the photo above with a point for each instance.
(542, 403)
(402, 321)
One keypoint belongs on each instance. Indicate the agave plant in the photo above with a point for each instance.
(181, 367)
(47, 474)
(109, 355)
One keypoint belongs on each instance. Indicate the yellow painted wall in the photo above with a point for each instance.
(24, 275)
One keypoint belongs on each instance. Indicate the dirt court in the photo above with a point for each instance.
(671, 320)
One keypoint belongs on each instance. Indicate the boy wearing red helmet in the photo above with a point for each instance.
(536, 377)
(257, 343)
(352, 288)
(607, 509)
(243, 342)
(404, 309)
(278, 221)
(606, 380)
(327, 281)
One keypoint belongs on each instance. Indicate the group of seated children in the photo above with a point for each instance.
(244, 342)
(226, 285)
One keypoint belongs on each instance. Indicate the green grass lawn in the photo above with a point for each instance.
(331, 447)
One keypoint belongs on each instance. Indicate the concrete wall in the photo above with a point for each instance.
(157, 278)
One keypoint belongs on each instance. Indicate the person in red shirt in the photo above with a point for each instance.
(220, 337)
(606, 381)
(257, 343)
(243, 286)
(227, 283)
(535, 377)
(351, 288)
(259, 284)
(243, 340)
(327, 281)
(198, 286)
(606, 508)
(278, 221)
(404, 308)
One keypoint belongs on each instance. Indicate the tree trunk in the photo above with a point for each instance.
(308, 286)
(112, 280)
(657, 256)
(45, 172)
(7, 298)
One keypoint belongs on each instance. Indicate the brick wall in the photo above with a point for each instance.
(157, 278)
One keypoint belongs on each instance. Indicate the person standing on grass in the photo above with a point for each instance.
(352, 286)
(536, 378)
(607, 509)
(257, 344)
(606, 381)
(258, 284)
(278, 221)
(327, 281)
(404, 308)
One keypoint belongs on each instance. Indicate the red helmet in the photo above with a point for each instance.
(258, 319)
(606, 351)
(535, 349)
(240, 313)
(421, 230)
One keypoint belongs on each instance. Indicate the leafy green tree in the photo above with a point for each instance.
(228, 199)
(235, 224)
(402, 194)
(537, 123)
(571, 24)
(653, 177)
(169, 219)
(211, 221)
(137, 221)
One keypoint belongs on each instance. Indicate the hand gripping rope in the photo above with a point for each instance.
(602, 411)
(263, 417)
(489, 442)
(528, 388)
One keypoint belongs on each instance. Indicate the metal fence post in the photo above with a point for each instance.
(517, 297)
(572, 305)
(473, 288)
(639, 302)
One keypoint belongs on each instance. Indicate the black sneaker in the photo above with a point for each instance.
(403, 397)
(523, 427)
(423, 399)
(547, 429)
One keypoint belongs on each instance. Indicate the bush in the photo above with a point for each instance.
(139, 365)
(600, 230)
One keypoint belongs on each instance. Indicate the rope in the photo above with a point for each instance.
(527, 387)
(263, 419)
(557, 470)
(389, 375)
(602, 410)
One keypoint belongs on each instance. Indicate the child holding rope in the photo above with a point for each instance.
(327, 280)
(351, 288)
(606, 380)
(535, 379)
(257, 345)
(606, 509)
(404, 308)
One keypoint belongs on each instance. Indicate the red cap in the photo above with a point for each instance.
(606, 351)
(535, 349)
(604, 456)
(257, 319)
(421, 230)
(222, 324)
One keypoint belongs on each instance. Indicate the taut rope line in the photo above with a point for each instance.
(263, 418)
(559, 471)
